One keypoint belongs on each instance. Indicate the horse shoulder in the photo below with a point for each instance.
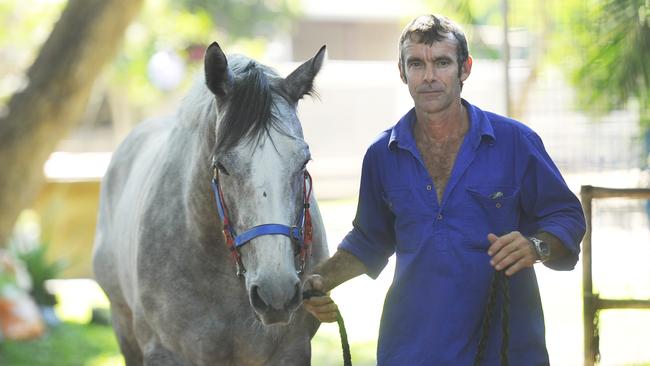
(123, 191)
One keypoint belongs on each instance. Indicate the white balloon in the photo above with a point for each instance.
(166, 70)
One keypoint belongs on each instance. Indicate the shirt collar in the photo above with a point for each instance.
(479, 128)
(402, 133)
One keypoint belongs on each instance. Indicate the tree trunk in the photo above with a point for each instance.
(84, 39)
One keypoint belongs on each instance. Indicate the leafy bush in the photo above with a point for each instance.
(41, 270)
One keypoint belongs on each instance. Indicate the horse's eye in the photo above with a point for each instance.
(222, 169)
(304, 165)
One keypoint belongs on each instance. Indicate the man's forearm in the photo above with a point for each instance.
(342, 266)
(558, 250)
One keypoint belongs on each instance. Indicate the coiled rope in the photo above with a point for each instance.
(499, 280)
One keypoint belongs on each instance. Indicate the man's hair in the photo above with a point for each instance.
(434, 28)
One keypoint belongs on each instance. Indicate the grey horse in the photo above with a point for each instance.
(160, 253)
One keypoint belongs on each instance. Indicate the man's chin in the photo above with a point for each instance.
(430, 107)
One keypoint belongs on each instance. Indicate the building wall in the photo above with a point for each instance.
(346, 40)
(68, 215)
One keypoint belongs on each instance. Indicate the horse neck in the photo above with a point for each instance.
(201, 207)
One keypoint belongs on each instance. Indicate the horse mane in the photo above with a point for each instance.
(249, 110)
(198, 105)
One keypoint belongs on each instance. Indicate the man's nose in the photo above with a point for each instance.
(429, 73)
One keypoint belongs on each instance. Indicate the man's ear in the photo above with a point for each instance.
(402, 75)
(466, 69)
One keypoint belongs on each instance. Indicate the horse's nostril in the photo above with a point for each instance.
(266, 298)
(296, 299)
(256, 300)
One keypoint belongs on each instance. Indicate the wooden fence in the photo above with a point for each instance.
(592, 303)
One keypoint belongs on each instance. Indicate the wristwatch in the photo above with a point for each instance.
(542, 248)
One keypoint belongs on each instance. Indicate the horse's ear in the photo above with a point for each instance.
(218, 77)
(301, 80)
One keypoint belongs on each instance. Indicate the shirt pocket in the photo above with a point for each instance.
(492, 209)
(408, 213)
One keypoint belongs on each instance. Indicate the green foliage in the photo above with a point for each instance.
(6, 279)
(157, 28)
(185, 26)
(179, 26)
(41, 269)
(246, 19)
(606, 46)
(470, 12)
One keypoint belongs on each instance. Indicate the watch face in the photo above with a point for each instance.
(544, 248)
(541, 247)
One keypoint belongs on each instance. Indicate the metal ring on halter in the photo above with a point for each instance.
(215, 168)
(297, 234)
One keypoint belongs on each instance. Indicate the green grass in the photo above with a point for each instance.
(326, 351)
(69, 344)
(75, 344)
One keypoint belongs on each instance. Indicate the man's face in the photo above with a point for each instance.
(431, 73)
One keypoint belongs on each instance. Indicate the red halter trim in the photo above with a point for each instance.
(228, 233)
(301, 234)
(308, 227)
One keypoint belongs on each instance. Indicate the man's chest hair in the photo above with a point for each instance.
(439, 160)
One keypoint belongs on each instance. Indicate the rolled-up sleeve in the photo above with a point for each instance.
(550, 205)
(372, 238)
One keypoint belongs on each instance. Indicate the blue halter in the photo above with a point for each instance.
(300, 234)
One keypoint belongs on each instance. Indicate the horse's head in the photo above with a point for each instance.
(260, 157)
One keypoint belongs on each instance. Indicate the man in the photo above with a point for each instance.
(456, 193)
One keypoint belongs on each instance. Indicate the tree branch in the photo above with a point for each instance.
(60, 80)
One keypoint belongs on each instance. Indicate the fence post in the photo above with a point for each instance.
(588, 310)
(592, 303)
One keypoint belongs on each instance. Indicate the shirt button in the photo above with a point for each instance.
(439, 217)
(429, 187)
(498, 205)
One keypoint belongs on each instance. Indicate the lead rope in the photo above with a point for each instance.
(345, 346)
(499, 279)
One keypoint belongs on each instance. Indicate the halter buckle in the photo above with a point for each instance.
(296, 234)
(241, 271)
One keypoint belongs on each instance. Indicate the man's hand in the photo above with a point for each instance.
(322, 307)
(511, 252)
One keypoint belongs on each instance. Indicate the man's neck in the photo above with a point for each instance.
(442, 126)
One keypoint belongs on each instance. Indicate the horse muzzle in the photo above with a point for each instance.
(275, 304)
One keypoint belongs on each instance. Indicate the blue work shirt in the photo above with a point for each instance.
(502, 180)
